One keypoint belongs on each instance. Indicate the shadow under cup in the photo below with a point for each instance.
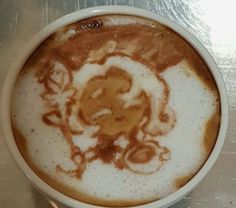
(116, 76)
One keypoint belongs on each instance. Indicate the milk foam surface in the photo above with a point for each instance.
(180, 103)
(193, 105)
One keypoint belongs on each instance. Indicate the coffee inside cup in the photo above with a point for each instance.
(115, 110)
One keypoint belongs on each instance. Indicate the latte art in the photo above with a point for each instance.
(113, 117)
(125, 104)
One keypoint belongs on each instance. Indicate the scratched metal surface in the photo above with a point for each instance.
(212, 22)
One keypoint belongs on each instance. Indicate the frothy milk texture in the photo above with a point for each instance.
(112, 116)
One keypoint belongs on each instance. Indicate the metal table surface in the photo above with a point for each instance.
(212, 22)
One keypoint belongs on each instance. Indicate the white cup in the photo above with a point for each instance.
(76, 16)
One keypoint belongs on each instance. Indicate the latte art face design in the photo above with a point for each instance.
(117, 102)
(115, 111)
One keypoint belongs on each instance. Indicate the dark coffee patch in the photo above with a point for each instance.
(91, 24)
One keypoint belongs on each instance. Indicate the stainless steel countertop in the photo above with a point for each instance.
(212, 22)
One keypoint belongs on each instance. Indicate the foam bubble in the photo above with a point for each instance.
(125, 20)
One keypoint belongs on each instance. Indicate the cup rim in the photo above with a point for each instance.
(83, 14)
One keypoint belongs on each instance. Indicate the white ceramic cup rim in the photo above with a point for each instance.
(76, 16)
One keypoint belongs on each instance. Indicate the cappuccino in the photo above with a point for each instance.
(115, 110)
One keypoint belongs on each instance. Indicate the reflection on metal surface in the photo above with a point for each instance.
(210, 21)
